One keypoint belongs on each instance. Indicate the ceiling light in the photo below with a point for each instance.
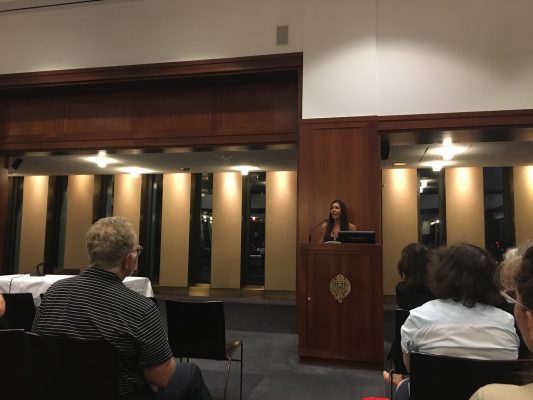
(399, 164)
(244, 169)
(101, 159)
(448, 150)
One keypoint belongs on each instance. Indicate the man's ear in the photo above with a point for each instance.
(529, 325)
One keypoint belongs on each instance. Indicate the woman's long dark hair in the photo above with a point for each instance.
(413, 265)
(344, 219)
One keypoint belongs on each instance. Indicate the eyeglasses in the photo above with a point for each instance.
(138, 250)
(510, 295)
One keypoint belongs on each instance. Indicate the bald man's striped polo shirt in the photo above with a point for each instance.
(97, 305)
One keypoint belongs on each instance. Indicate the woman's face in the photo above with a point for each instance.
(335, 210)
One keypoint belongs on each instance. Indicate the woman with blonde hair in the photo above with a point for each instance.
(520, 294)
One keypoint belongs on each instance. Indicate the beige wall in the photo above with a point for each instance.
(226, 228)
(280, 231)
(127, 199)
(33, 225)
(175, 224)
(465, 219)
(400, 220)
(523, 199)
(79, 219)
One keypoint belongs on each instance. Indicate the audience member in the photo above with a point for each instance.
(96, 305)
(463, 320)
(411, 292)
(2, 305)
(521, 295)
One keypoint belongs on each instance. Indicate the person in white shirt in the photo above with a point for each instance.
(463, 320)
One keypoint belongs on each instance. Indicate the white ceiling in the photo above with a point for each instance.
(482, 154)
(282, 157)
(279, 157)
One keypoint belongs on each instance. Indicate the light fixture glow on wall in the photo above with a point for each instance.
(136, 171)
(436, 166)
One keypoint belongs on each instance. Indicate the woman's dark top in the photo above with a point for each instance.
(409, 298)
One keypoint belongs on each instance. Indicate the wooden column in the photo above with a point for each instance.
(339, 159)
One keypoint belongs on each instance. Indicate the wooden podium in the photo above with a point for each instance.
(340, 303)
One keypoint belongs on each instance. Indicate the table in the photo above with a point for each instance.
(23, 283)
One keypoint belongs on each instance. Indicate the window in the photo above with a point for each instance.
(431, 208)
(104, 190)
(14, 220)
(56, 222)
(253, 229)
(499, 210)
(150, 225)
(200, 228)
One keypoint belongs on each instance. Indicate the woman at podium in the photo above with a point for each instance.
(337, 221)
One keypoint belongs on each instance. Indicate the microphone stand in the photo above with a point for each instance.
(314, 227)
(36, 270)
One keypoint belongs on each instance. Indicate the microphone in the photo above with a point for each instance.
(36, 270)
(314, 227)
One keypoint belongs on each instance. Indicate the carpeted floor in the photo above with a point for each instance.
(271, 366)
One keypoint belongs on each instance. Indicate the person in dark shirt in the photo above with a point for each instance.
(411, 292)
(96, 305)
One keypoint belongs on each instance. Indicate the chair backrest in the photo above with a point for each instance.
(438, 377)
(63, 368)
(66, 271)
(196, 329)
(20, 311)
(15, 372)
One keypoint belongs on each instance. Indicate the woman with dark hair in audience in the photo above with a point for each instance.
(463, 320)
(337, 221)
(520, 293)
(411, 292)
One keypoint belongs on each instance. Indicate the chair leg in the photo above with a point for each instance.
(227, 378)
(242, 359)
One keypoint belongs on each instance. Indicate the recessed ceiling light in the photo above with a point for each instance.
(399, 164)
(102, 160)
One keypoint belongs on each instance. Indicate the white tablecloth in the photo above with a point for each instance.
(22, 283)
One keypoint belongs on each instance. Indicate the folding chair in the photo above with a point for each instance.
(15, 376)
(438, 377)
(198, 330)
(64, 369)
(20, 311)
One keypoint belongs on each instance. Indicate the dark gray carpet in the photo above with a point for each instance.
(272, 371)
(271, 366)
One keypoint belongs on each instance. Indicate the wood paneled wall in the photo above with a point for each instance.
(339, 159)
(239, 101)
(171, 116)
